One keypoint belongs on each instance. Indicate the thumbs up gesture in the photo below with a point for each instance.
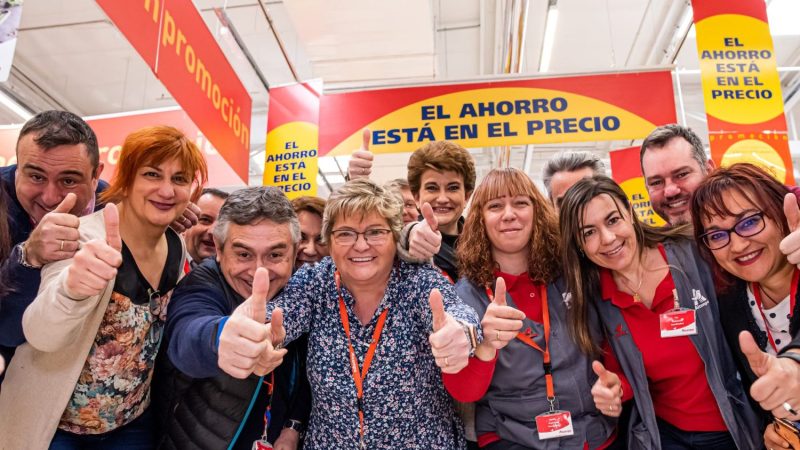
(449, 343)
(424, 239)
(245, 344)
(778, 383)
(790, 245)
(360, 165)
(607, 391)
(500, 322)
(55, 237)
(273, 355)
(95, 264)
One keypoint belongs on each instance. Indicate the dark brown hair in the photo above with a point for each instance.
(441, 156)
(581, 274)
(751, 182)
(474, 249)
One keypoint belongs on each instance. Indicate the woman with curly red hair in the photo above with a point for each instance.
(527, 365)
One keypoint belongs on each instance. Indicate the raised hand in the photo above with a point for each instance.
(607, 391)
(449, 343)
(55, 237)
(96, 263)
(425, 240)
(360, 165)
(245, 338)
(189, 218)
(790, 245)
(778, 379)
(500, 322)
(273, 355)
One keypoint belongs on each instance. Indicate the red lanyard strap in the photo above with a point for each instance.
(359, 375)
(756, 288)
(546, 362)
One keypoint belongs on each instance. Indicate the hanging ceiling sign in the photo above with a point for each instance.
(537, 111)
(741, 86)
(175, 42)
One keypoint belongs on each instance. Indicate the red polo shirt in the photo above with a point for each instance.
(472, 382)
(675, 372)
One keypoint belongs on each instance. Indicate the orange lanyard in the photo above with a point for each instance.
(548, 368)
(359, 375)
(792, 294)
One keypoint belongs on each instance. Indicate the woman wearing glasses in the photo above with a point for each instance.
(739, 219)
(380, 332)
(655, 297)
(83, 378)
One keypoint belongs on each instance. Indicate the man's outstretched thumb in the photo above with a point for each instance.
(258, 298)
(67, 203)
(758, 360)
(437, 310)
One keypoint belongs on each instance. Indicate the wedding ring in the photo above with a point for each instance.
(61, 247)
(446, 363)
(497, 334)
(789, 408)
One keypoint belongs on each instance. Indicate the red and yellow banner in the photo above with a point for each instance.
(111, 133)
(741, 86)
(548, 110)
(627, 171)
(292, 136)
(175, 42)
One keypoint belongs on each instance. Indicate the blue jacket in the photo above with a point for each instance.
(193, 397)
(24, 282)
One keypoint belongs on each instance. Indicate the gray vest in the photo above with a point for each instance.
(695, 288)
(517, 392)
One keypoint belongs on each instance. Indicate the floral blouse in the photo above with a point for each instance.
(405, 402)
(114, 386)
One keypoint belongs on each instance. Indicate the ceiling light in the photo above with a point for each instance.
(13, 106)
(549, 38)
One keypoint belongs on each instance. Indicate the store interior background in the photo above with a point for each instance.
(70, 56)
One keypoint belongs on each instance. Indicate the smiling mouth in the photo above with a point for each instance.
(511, 230)
(748, 258)
(162, 206)
(615, 251)
(442, 209)
(677, 204)
(362, 259)
(207, 243)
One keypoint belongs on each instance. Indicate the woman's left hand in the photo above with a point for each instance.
(288, 440)
(449, 343)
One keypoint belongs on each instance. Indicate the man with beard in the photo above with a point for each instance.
(673, 164)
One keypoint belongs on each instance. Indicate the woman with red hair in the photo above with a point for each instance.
(83, 378)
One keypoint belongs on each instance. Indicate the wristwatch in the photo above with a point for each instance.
(295, 425)
(23, 257)
(472, 337)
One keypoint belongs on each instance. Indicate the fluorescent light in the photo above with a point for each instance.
(15, 107)
(549, 38)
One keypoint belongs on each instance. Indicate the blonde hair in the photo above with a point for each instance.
(360, 198)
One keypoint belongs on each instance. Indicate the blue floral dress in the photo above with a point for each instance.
(405, 402)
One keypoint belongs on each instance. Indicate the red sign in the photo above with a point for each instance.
(111, 133)
(627, 172)
(175, 42)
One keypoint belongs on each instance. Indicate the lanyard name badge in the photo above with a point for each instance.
(263, 443)
(792, 295)
(678, 321)
(359, 375)
(554, 423)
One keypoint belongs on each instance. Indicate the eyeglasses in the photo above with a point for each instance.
(748, 226)
(374, 236)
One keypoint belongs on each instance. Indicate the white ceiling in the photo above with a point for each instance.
(69, 55)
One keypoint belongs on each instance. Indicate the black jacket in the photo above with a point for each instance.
(218, 411)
